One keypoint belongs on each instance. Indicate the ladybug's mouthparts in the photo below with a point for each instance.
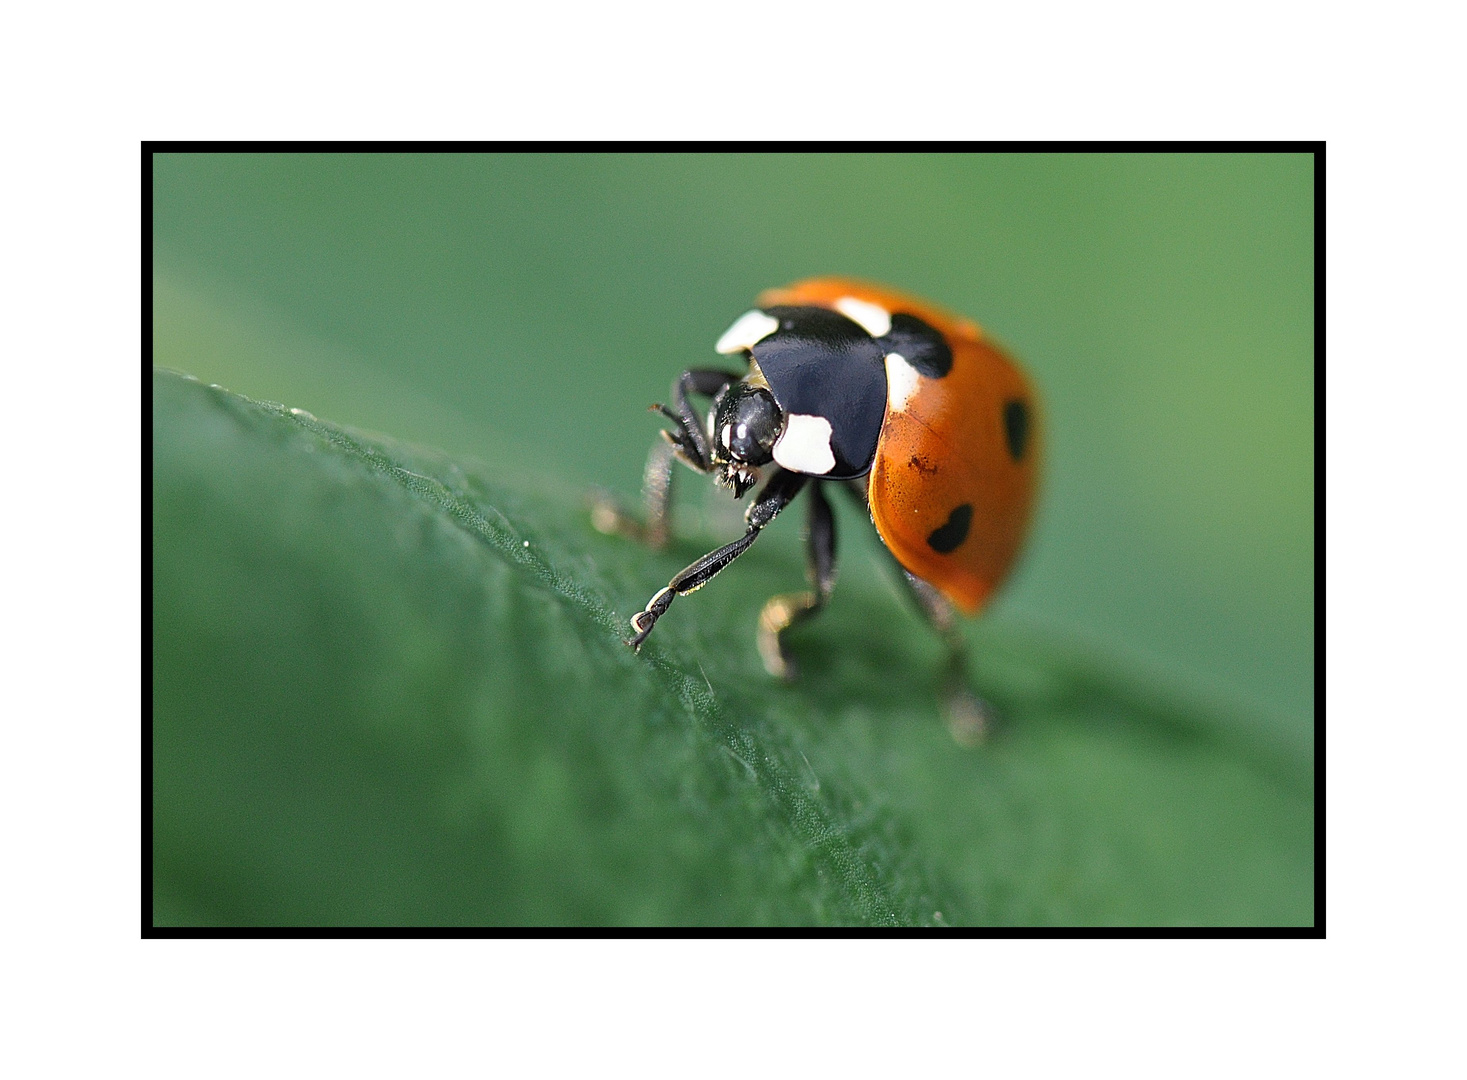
(738, 477)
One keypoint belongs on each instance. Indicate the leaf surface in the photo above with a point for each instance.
(391, 688)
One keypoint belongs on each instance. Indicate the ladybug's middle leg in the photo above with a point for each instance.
(687, 443)
(782, 612)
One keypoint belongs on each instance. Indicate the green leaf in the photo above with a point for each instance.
(391, 688)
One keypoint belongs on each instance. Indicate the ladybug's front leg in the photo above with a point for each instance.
(607, 516)
(687, 443)
(782, 487)
(782, 612)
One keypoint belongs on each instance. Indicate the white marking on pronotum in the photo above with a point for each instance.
(727, 437)
(901, 381)
(748, 329)
(875, 320)
(804, 447)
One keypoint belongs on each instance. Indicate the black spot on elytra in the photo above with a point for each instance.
(947, 538)
(1016, 428)
(919, 345)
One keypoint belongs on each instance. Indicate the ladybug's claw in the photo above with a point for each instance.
(970, 719)
(644, 620)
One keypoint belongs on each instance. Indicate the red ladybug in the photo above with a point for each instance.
(926, 421)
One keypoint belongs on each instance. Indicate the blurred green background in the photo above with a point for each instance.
(522, 310)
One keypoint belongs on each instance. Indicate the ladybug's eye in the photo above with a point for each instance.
(746, 424)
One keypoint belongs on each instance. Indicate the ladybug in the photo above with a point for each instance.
(846, 384)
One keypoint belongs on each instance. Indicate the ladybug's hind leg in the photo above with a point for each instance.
(969, 718)
(782, 612)
(686, 443)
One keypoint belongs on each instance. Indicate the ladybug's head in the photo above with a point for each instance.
(743, 425)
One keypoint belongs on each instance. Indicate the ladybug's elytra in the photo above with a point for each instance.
(912, 409)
